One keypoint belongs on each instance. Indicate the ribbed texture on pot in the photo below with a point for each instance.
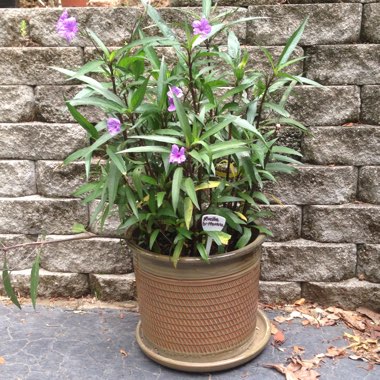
(198, 317)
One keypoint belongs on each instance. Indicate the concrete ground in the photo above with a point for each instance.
(97, 344)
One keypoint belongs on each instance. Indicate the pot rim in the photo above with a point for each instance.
(195, 260)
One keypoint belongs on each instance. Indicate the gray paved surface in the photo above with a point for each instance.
(56, 343)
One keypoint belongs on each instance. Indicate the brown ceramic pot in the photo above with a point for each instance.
(74, 3)
(200, 317)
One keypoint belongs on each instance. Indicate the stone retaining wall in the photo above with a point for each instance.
(327, 233)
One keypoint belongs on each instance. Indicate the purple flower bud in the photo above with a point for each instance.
(67, 27)
(177, 156)
(173, 90)
(113, 126)
(201, 27)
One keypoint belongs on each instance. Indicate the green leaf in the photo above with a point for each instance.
(136, 174)
(261, 197)
(89, 67)
(277, 108)
(176, 186)
(233, 46)
(146, 149)
(202, 251)
(285, 150)
(83, 121)
(183, 120)
(113, 179)
(8, 286)
(117, 160)
(216, 128)
(279, 167)
(245, 238)
(292, 122)
(104, 104)
(220, 237)
(206, 8)
(138, 95)
(263, 230)
(160, 23)
(78, 228)
(162, 85)
(291, 44)
(188, 211)
(129, 222)
(160, 198)
(131, 201)
(177, 252)
(166, 139)
(98, 42)
(152, 238)
(190, 190)
(34, 279)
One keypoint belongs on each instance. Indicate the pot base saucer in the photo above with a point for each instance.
(260, 339)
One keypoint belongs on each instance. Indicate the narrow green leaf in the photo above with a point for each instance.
(131, 201)
(206, 8)
(176, 186)
(233, 46)
(117, 160)
(177, 252)
(148, 149)
(190, 190)
(166, 139)
(160, 198)
(202, 251)
(261, 197)
(83, 121)
(138, 95)
(188, 211)
(98, 42)
(183, 120)
(245, 238)
(291, 44)
(162, 85)
(153, 237)
(136, 174)
(129, 222)
(220, 237)
(285, 150)
(34, 280)
(8, 286)
(277, 108)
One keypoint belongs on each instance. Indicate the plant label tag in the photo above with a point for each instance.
(212, 223)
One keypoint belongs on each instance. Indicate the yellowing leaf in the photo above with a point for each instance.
(241, 216)
(207, 185)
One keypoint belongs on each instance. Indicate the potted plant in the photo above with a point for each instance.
(184, 152)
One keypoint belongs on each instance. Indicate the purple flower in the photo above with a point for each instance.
(113, 126)
(201, 27)
(173, 90)
(67, 27)
(177, 155)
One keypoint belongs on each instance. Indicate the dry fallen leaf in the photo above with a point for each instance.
(280, 319)
(273, 328)
(352, 320)
(335, 352)
(375, 317)
(300, 302)
(298, 350)
(123, 352)
(2, 360)
(279, 337)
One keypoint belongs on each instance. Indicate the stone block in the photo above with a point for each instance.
(112, 25)
(57, 180)
(16, 104)
(40, 141)
(371, 22)
(32, 66)
(303, 260)
(369, 184)
(327, 24)
(113, 287)
(333, 105)
(369, 262)
(235, 3)
(370, 112)
(350, 145)
(344, 64)
(279, 292)
(51, 284)
(36, 215)
(51, 107)
(350, 223)
(110, 227)
(10, 22)
(95, 255)
(284, 222)
(18, 258)
(175, 18)
(349, 294)
(316, 185)
(17, 178)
